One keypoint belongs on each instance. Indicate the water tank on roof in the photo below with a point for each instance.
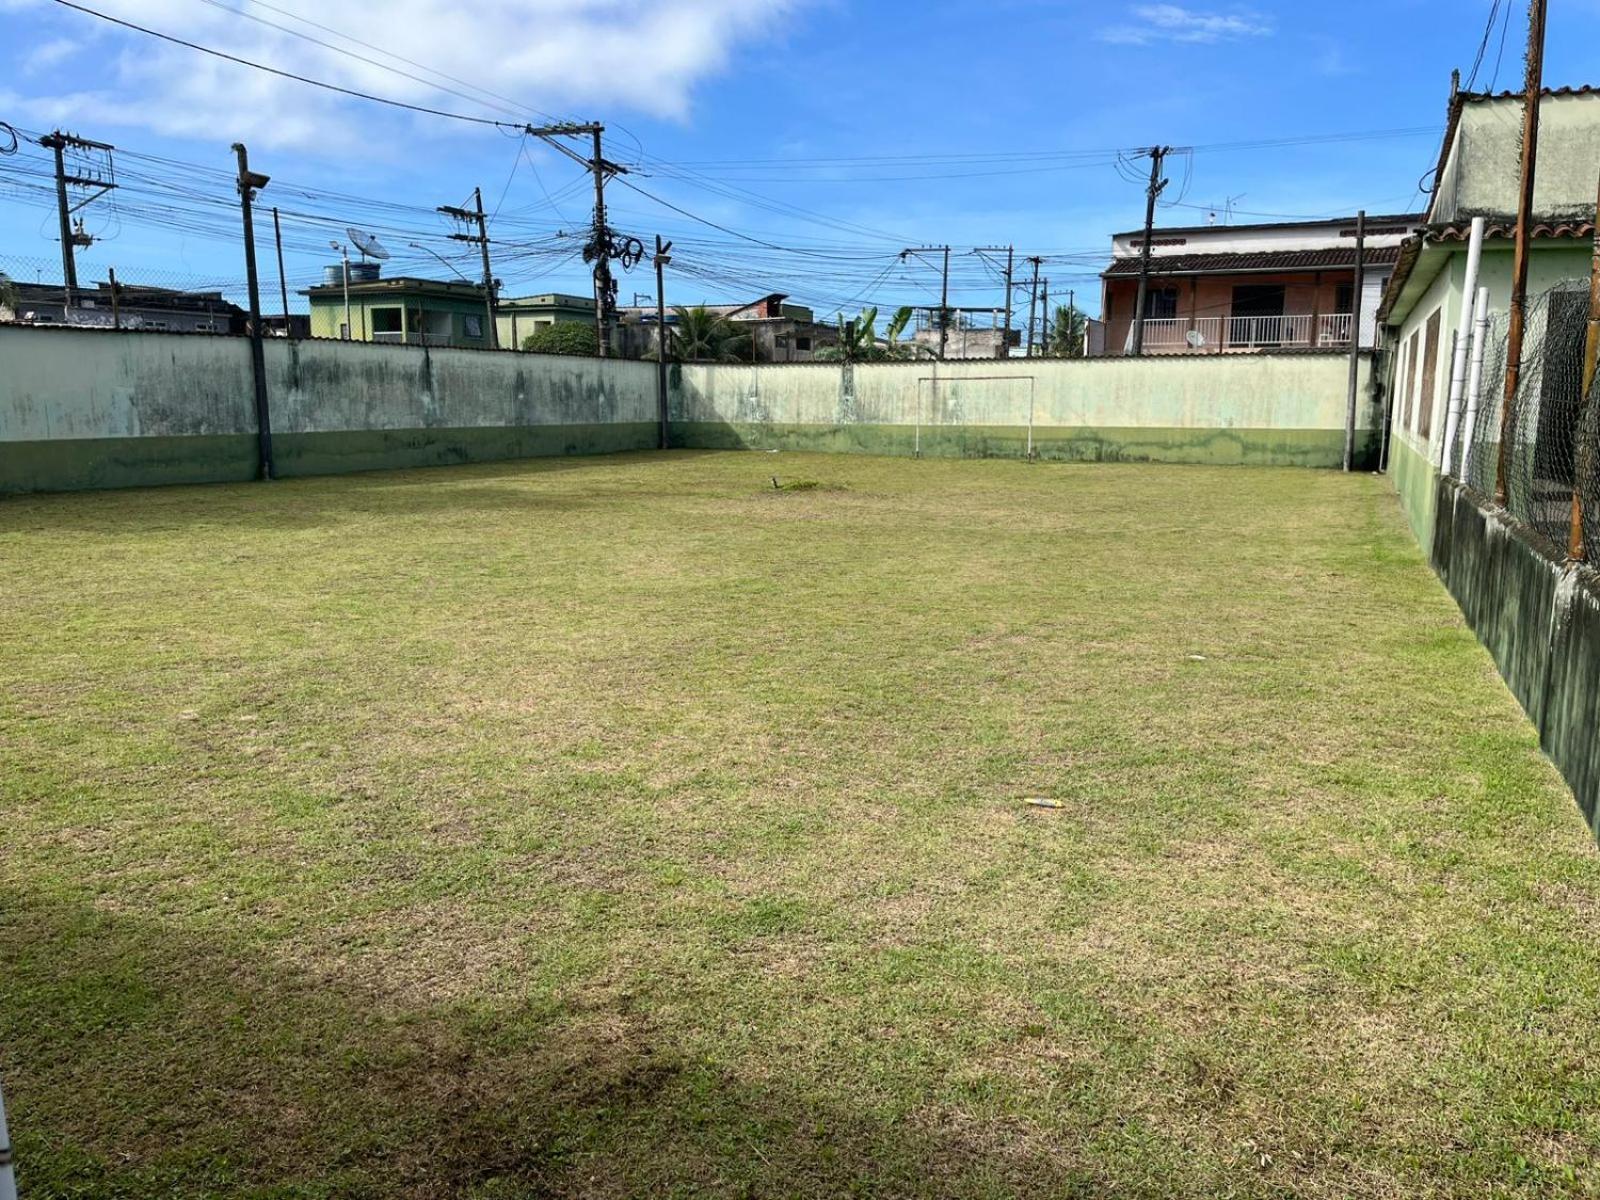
(360, 272)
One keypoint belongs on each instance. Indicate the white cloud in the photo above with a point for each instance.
(572, 58)
(48, 54)
(1172, 23)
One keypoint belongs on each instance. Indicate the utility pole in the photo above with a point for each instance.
(1534, 84)
(116, 304)
(1072, 318)
(1005, 345)
(283, 283)
(1033, 300)
(1355, 342)
(662, 259)
(600, 250)
(474, 215)
(1152, 190)
(1044, 319)
(70, 238)
(249, 182)
(944, 291)
(1583, 473)
(1003, 350)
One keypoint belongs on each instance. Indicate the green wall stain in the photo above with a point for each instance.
(1257, 447)
(81, 463)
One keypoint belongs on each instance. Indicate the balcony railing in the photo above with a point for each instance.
(1216, 335)
(395, 337)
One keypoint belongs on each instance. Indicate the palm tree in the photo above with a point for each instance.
(1066, 336)
(703, 336)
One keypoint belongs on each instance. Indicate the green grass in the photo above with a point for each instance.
(628, 827)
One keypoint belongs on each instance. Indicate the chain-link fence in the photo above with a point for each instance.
(1551, 435)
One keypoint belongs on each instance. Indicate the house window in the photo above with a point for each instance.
(802, 343)
(386, 320)
(1161, 304)
(1411, 381)
(472, 326)
(1344, 297)
(1430, 365)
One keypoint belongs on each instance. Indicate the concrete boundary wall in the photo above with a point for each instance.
(1264, 409)
(95, 408)
(1538, 616)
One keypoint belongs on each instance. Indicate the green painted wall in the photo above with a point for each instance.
(1416, 480)
(1259, 409)
(1540, 620)
(90, 408)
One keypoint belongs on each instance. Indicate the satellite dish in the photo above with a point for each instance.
(369, 246)
(1195, 338)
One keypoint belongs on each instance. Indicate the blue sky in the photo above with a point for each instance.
(822, 136)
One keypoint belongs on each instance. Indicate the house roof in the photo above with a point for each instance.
(1309, 223)
(405, 284)
(1254, 262)
(1461, 231)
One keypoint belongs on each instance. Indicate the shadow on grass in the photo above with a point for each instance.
(146, 1060)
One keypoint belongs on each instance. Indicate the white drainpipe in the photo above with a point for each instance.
(1480, 337)
(1458, 361)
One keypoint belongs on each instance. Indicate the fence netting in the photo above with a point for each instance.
(1551, 436)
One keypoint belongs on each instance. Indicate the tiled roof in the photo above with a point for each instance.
(1256, 261)
(1461, 231)
(1581, 90)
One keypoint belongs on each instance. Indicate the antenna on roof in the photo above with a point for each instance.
(369, 245)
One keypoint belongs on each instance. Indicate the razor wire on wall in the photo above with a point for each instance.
(1551, 436)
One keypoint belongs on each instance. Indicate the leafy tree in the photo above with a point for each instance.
(10, 298)
(564, 337)
(701, 335)
(1068, 328)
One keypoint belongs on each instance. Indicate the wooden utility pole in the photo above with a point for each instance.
(249, 182)
(116, 303)
(283, 282)
(1584, 459)
(1033, 300)
(1355, 342)
(1152, 190)
(474, 215)
(662, 259)
(1534, 84)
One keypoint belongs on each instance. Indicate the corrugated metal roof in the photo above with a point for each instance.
(1255, 261)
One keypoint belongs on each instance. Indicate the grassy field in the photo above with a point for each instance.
(628, 827)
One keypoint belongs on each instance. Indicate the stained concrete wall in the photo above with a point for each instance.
(1539, 617)
(82, 409)
(1280, 409)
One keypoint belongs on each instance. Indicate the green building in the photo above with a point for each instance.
(418, 312)
(519, 317)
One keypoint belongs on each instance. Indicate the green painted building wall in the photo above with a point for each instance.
(327, 315)
(1284, 409)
